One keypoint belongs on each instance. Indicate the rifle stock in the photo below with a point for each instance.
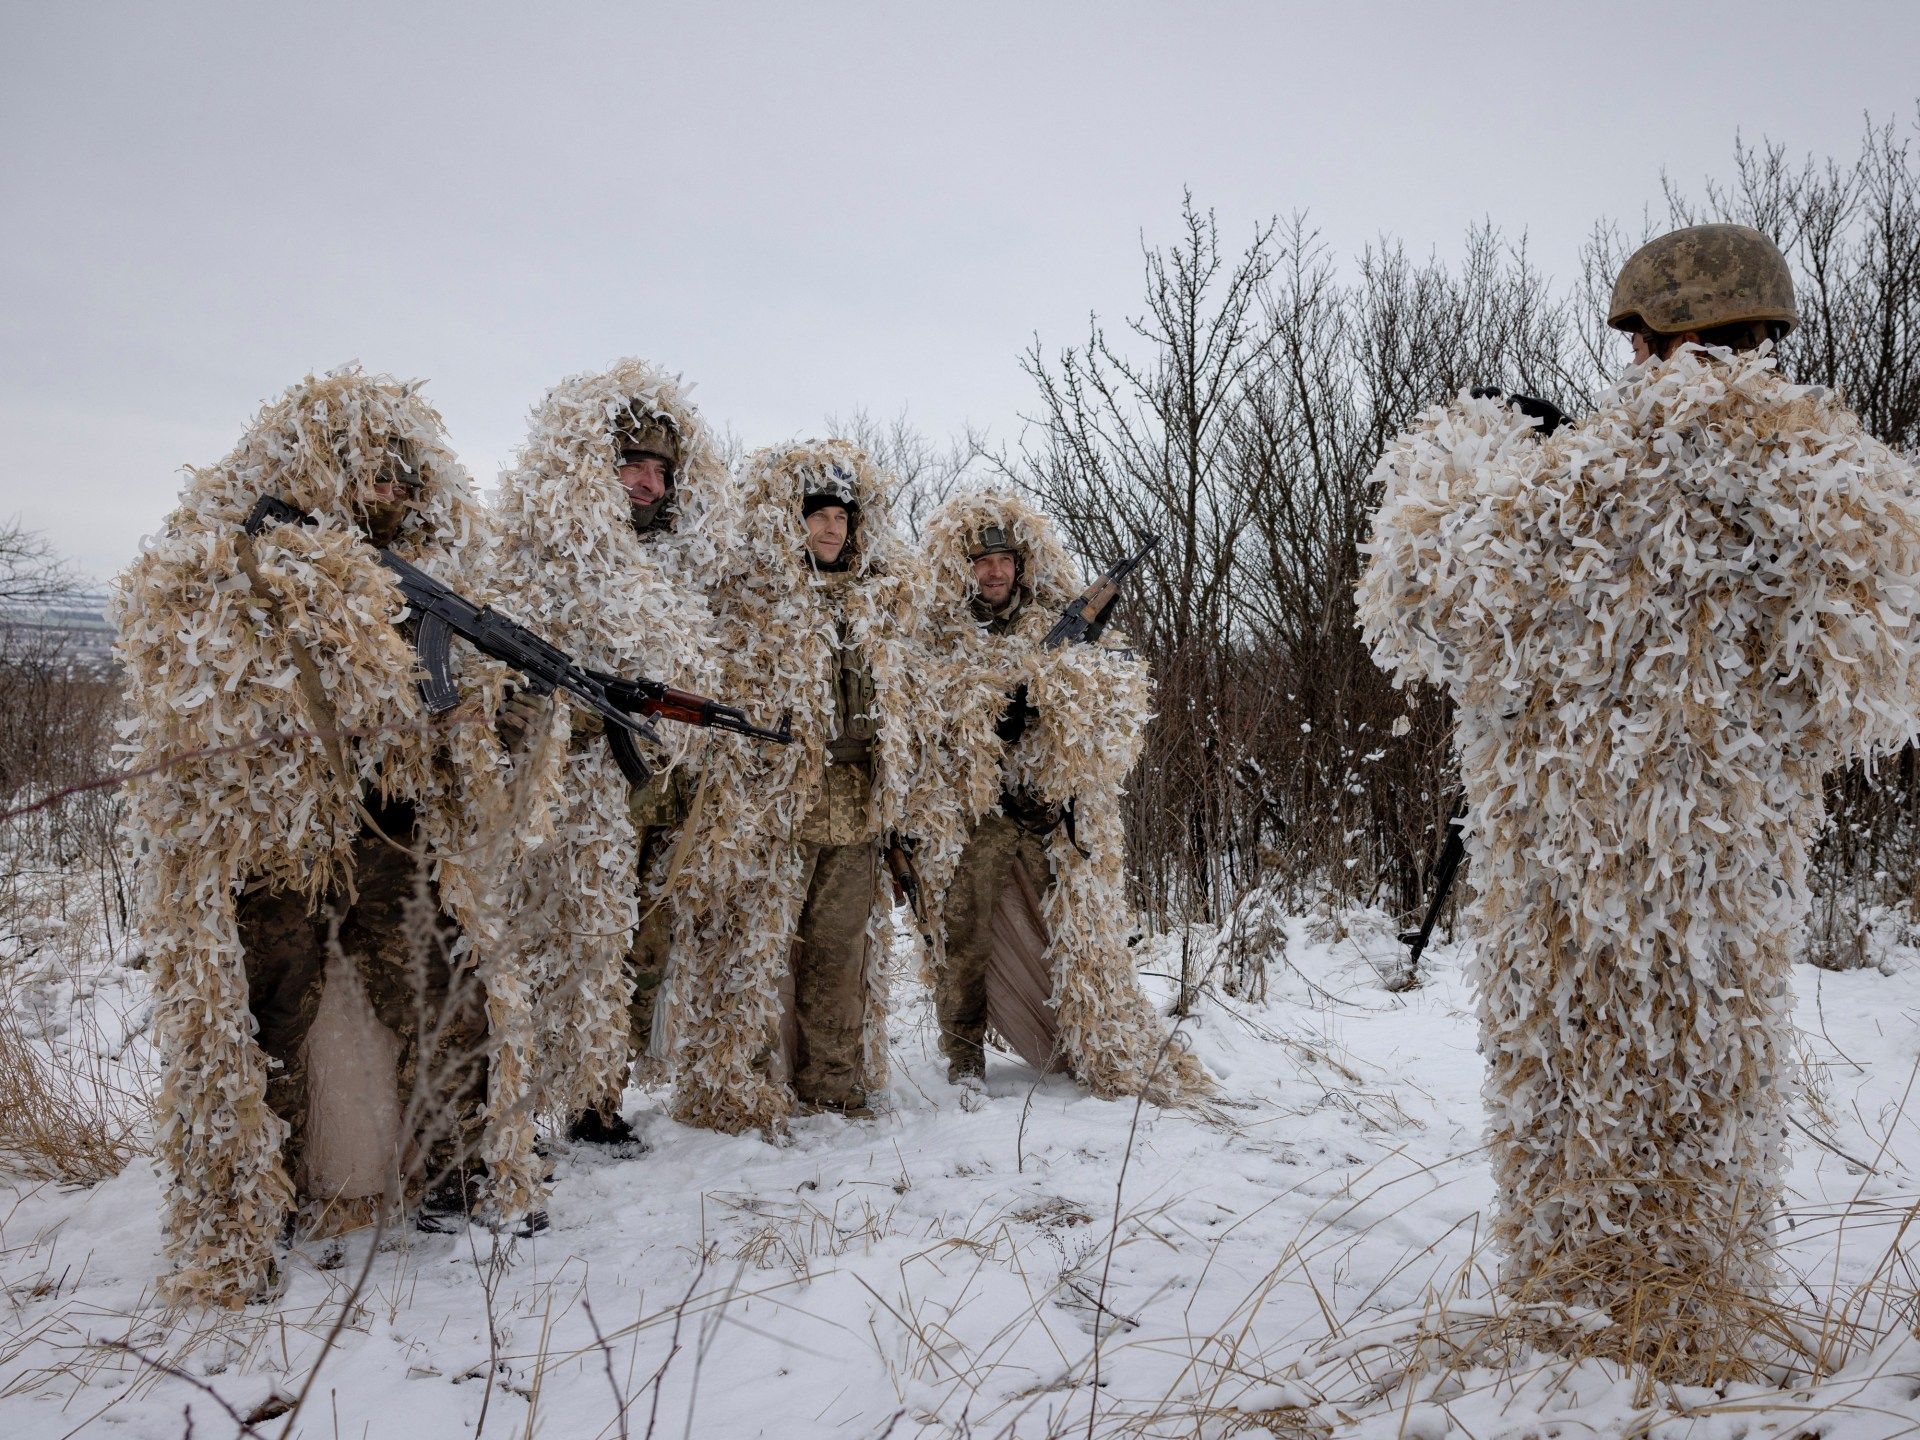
(1086, 614)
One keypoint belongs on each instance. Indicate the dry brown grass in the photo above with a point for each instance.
(72, 1095)
(65, 1112)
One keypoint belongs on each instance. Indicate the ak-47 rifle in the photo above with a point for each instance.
(438, 613)
(1087, 613)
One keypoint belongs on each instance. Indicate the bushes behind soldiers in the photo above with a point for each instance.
(256, 855)
(1035, 745)
(609, 521)
(1660, 627)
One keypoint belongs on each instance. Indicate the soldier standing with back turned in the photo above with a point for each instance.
(1661, 627)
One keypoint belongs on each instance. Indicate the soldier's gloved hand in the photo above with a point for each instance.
(1549, 415)
(519, 715)
(586, 724)
(1013, 720)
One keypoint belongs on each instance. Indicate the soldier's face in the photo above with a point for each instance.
(389, 495)
(1646, 347)
(993, 577)
(827, 533)
(643, 477)
(395, 482)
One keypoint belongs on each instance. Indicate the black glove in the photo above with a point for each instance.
(1550, 415)
(1013, 720)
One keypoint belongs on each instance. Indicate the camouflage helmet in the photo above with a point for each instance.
(642, 433)
(1700, 278)
(992, 539)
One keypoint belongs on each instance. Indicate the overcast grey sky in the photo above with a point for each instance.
(803, 207)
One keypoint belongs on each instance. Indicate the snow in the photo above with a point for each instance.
(1292, 1262)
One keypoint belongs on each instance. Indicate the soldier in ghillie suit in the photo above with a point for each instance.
(609, 523)
(1661, 627)
(781, 921)
(317, 858)
(1027, 890)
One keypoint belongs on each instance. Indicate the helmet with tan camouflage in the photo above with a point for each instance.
(1701, 278)
(640, 433)
(991, 539)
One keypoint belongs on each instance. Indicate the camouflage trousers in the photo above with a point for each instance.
(433, 1009)
(652, 941)
(830, 986)
(960, 989)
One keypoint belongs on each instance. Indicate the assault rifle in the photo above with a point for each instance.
(439, 613)
(1451, 854)
(1087, 613)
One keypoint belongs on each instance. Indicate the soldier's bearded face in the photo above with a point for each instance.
(993, 577)
(827, 533)
(644, 478)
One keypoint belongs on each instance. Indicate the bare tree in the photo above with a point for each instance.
(928, 471)
(32, 572)
(55, 715)
(1241, 417)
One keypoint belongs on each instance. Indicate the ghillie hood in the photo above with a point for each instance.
(1094, 702)
(1048, 576)
(567, 525)
(772, 553)
(212, 668)
(321, 446)
(574, 567)
(1660, 628)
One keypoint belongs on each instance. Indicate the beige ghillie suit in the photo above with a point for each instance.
(1661, 627)
(213, 667)
(771, 814)
(1093, 702)
(574, 567)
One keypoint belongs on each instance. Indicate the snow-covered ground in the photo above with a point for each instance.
(1262, 1269)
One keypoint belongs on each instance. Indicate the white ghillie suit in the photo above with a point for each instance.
(1660, 628)
(209, 666)
(574, 568)
(1093, 702)
(740, 899)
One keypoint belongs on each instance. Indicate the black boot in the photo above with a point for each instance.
(443, 1209)
(593, 1128)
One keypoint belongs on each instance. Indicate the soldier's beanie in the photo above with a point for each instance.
(820, 501)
